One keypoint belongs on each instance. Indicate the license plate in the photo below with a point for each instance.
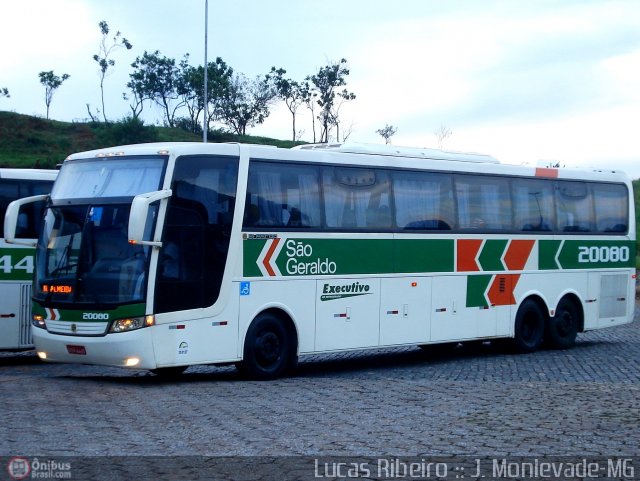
(81, 350)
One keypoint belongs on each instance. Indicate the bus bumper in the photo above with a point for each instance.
(124, 349)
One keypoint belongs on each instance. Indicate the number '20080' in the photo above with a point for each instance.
(603, 254)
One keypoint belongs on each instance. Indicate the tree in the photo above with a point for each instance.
(309, 97)
(246, 103)
(326, 83)
(102, 57)
(387, 132)
(156, 78)
(442, 134)
(291, 92)
(4, 92)
(51, 82)
(190, 88)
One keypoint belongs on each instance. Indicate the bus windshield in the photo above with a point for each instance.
(84, 257)
(108, 178)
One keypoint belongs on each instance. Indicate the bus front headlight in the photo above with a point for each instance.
(38, 321)
(132, 323)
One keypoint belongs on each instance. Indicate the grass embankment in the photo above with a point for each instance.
(33, 142)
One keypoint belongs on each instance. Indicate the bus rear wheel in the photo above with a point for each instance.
(562, 329)
(268, 348)
(529, 327)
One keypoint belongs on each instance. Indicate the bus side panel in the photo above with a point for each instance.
(293, 297)
(616, 297)
(203, 339)
(10, 316)
(347, 314)
(454, 317)
(405, 305)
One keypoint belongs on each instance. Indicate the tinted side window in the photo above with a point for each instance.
(196, 233)
(356, 198)
(484, 202)
(282, 195)
(423, 201)
(9, 191)
(612, 207)
(574, 207)
(30, 217)
(533, 205)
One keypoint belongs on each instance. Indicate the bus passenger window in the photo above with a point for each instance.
(484, 202)
(612, 207)
(533, 205)
(357, 198)
(574, 206)
(283, 196)
(424, 201)
(30, 216)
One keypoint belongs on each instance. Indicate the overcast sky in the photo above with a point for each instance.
(525, 81)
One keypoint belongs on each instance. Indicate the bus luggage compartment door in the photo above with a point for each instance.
(347, 313)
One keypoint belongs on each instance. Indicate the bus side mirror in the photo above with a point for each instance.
(139, 223)
(13, 220)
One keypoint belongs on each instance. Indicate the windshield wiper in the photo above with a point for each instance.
(62, 266)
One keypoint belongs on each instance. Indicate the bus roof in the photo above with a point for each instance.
(376, 156)
(392, 151)
(28, 174)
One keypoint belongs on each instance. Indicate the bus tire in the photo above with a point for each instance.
(562, 329)
(529, 327)
(268, 348)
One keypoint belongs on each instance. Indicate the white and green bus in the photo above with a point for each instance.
(162, 256)
(17, 261)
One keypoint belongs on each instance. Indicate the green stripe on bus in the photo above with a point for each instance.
(492, 251)
(476, 288)
(547, 251)
(585, 254)
(296, 256)
(86, 315)
(339, 257)
(347, 256)
(16, 264)
(424, 255)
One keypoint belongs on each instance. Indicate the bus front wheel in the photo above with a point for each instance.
(529, 327)
(268, 350)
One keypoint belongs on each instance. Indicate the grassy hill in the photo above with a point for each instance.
(29, 142)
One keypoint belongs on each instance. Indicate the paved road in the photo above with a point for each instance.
(475, 400)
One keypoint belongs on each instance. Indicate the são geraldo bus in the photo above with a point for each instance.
(162, 256)
(16, 261)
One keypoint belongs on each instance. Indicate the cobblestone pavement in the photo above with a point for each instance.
(474, 400)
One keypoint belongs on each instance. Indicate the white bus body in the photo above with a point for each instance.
(17, 260)
(257, 255)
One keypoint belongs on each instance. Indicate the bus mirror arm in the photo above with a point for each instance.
(12, 220)
(139, 214)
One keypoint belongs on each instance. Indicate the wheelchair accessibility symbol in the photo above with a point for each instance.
(245, 288)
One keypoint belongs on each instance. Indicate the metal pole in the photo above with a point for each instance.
(205, 122)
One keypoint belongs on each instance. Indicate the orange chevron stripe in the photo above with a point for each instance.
(267, 258)
(501, 290)
(467, 253)
(517, 254)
